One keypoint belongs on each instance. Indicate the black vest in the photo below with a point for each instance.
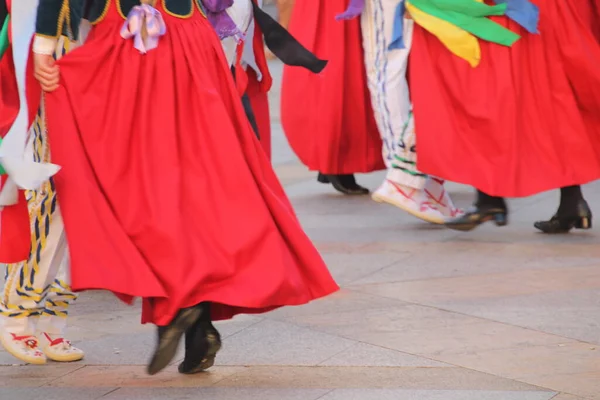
(59, 17)
(180, 8)
(52, 20)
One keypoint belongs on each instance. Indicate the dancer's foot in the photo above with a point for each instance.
(56, 348)
(345, 184)
(440, 198)
(578, 217)
(487, 208)
(169, 337)
(413, 201)
(477, 216)
(24, 347)
(202, 343)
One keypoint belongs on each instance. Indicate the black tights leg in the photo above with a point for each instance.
(484, 200)
(570, 197)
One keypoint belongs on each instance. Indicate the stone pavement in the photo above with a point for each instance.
(424, 314)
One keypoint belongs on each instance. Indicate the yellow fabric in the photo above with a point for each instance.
(460, 42)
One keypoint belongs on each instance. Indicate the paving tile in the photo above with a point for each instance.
(347, 268)
(340, 302)
(215, 394)
(26, 376)
(586, 385)
(6, 359)
(116, 322)
(136, 376)
(279, 343)
(572, 367)
(570, 313)
(384, 318)
(460, 260)
(99, 301)
(370, 378)
(527, 361)
(459, 338)
(564, 396)
(516, 283)
(47, 393)
(237, 324)
(124, 349)
(366, 355)
(426, 331)
(80, 334)
(390, 394)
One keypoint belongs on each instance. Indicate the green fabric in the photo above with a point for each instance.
(471, 16)
(4, 37)
(468, 7)
(2, 171)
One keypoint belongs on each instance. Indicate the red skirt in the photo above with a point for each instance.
(527, 119)
(165, 191)
(328, 118)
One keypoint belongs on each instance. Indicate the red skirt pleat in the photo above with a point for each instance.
(15, 235)
(527, 119)
(165, 191)
(328, 118)
(9, 92)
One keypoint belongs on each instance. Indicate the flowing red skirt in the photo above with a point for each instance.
(328, 118)
(527, 119)
(165, 191)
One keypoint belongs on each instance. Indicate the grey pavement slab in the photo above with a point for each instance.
(570, 313)
(341, 302)
(430, 378)
(216, 394)
(366, 355)
(279, 343)
(347, 268)
(133, 348)
(389, 394)
(46, 393)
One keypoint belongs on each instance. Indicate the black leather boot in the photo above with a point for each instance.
(487, 208)
(345, 184)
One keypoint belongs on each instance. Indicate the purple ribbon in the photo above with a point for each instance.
(220, 20)
(155, 27)
(355, 8)
(217, 5)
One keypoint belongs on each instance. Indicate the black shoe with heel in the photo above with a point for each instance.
(345, 184)
(169, 337)
(487, 208)
(580, 217)
(477, 216)
(202, 343)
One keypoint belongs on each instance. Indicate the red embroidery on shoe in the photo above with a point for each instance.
(55, 341)
(425, 206)
(439, 200)
(399, 189)
(29, 341)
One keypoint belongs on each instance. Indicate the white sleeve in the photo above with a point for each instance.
(44, 45)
